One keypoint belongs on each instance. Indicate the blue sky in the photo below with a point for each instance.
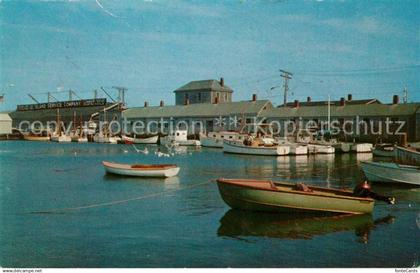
(367, 48)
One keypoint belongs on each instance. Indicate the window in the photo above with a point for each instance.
(230, 137)
(177, 134)
(199, 96)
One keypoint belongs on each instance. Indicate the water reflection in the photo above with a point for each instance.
(237, 224)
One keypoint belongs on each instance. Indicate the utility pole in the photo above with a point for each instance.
(70, 95)
(405, 96)
(286, 76)
(95, 94)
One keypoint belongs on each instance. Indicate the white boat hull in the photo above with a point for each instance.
(320, 149)
(62, 138)
(149, 140)
(342, 147)
(211, 142)
(361, 147)
(143, 173)
(110, 140)
(391, 172)
(298, 150)
(188, 142)
(235, 147)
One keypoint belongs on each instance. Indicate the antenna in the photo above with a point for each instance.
(286, 76)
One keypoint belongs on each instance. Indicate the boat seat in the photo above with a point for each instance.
(301, 187)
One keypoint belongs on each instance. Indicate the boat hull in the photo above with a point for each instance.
(164, 172)
(391, 173)
(63, 138)
(188, 142)
(149, 140)
(36, 138)
(298, 150)
(246, 198)
(211, 142)
(361, 147)
(238, 148)
(382, 153)
(109, 140)
(341, 147)
(407, 156)
(320, 149)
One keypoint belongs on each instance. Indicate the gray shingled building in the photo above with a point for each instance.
(205, 91)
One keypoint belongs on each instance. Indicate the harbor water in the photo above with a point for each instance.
(60, 209)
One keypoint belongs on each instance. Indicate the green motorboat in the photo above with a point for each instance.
(266, 195)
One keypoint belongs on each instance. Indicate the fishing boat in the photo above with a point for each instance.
(254, 148)
(215, 139)
(384, 150)
(103, 138)
(58, 135)
(391, 172)
(320, 149)
(294, 148)
(410, 155)
(179, 137)
(361, 147)
(163, 170)
(135, 140)
(266, 195)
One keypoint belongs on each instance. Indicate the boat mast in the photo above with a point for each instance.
(329, 112)
(58, 130)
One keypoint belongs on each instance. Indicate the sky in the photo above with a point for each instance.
(370, 49)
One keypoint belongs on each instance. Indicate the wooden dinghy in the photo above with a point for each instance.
(162, 170)
(266, 195)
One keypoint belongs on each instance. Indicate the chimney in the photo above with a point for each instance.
(308, 99)
(296, 104)
(216, 100)
(342, 101)
(146, 104)
(254, 97)
(349, 97)
(395, 99)
(162, 103)
(222, 82)
(187, 101)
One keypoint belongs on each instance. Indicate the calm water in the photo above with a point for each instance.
(182, 222)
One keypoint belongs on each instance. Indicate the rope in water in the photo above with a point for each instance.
(62, 210)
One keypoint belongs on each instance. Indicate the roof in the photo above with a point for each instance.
(51, 114)
(336, 102)
(5, 117)
(199, 110)
(343, 111)
(204, 85)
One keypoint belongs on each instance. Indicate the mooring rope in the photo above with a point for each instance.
(63, 210)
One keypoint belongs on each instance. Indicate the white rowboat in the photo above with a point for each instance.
(148, 140)
(141, 170)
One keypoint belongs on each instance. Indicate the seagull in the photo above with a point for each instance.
(145, 151)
